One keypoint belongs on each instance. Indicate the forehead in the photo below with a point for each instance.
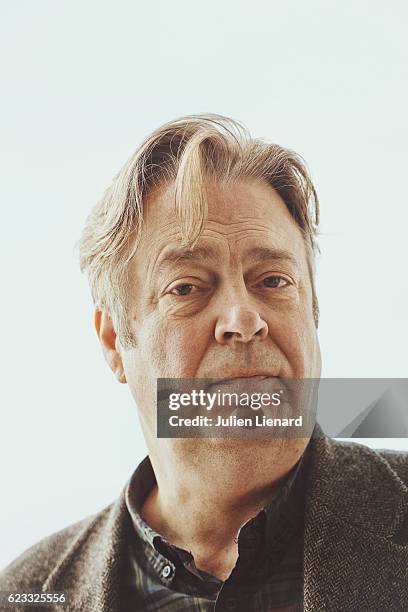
(242, 214)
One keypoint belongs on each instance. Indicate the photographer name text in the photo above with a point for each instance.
(234, 421)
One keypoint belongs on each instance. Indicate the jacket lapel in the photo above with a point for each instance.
(94, 562)
(355, 508)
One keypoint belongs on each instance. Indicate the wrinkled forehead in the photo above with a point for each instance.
(239, 211)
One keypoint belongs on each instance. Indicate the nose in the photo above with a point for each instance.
(240, 323)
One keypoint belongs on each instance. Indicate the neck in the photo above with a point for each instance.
(202, 500)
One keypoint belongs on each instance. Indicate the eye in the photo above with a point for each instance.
(275, 282)
(183, 289)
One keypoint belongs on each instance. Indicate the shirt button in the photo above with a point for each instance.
(166, 571)
(230, 603)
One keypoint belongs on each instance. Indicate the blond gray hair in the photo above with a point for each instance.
(188, 151)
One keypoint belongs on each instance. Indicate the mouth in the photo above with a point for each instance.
(239, 378)
(242, 376)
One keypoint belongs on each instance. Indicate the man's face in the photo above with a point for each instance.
(239, 304)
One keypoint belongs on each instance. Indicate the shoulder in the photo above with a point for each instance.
(350, 460)
(360, 486)
(30, 569)
(396, 459)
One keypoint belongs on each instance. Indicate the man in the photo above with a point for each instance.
(200, 258)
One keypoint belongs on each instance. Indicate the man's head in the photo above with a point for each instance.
(200, 259)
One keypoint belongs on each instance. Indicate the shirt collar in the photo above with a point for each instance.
(138, 488)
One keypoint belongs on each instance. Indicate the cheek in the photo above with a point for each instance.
(172, 348)
(296, 338)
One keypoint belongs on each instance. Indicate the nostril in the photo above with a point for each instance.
(228, 335)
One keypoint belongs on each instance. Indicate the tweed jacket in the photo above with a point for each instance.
(355, 540)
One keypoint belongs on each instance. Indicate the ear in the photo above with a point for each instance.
(109, 342)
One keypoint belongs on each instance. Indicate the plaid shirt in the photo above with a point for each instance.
(268, 574)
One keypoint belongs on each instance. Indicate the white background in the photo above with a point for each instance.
(83, 84)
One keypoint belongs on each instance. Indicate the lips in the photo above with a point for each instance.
(254, 377)
(240, 380)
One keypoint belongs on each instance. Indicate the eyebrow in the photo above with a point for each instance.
(261, 254)
(181, 255)
(197, 255)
